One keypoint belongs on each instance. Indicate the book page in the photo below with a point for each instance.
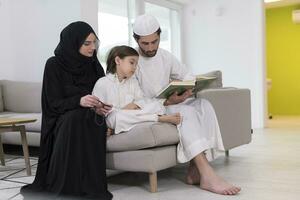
(203, 82)
(201, 77)
(176, 86)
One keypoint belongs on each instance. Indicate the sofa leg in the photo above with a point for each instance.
(227, 153)
(153, 181)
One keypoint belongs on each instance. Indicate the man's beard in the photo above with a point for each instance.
(148, 53)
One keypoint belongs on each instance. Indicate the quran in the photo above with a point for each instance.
(180, 87)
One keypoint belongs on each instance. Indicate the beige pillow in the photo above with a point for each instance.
(21, 97)
(217, 83)
(1, 100)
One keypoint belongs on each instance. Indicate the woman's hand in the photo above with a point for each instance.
(89, 101)
(131, 106)
(175, 98)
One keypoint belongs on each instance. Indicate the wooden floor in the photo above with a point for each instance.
(267, 169)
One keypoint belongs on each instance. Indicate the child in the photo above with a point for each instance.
(120, 88)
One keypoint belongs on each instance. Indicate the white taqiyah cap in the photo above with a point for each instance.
(145, 25)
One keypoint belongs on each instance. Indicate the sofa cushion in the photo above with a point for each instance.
(216, 83)
(33, 138)
(143, 136)
(146, 160)
(22, 97)
(31, 127)
(1, 100)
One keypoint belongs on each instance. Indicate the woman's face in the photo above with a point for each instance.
(89, 45)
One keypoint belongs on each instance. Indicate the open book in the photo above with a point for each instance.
(181, 86)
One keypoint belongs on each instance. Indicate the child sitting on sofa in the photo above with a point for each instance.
(121, 89)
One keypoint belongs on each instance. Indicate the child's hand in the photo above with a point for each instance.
(102, 109)
(131, 106)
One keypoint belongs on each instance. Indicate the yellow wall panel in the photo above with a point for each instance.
(283, 61)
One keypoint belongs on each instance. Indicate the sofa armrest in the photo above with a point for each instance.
(233, 110)
(1, 99)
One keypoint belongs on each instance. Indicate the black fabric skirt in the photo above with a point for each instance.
(76, 167)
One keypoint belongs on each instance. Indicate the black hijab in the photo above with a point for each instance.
(67, 51)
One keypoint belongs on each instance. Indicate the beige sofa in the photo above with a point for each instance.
(149, 147)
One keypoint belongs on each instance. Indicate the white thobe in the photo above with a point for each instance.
(199, 130)
(111, 91)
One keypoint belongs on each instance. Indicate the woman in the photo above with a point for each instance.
(73, 136)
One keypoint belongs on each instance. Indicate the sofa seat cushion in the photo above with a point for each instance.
(143, 136)
(33, 138)
(30, 127)
(146, 160)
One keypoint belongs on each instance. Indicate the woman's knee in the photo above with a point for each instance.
(81, 115)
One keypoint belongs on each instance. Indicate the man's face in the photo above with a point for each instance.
(149, 44)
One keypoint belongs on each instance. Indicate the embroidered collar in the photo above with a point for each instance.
(114, 78)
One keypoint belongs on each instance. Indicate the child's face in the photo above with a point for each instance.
(126, 66)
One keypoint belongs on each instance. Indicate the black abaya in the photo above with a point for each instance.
(73, 138)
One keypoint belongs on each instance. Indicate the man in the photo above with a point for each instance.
(199, 129)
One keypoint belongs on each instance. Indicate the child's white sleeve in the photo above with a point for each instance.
(100, 91)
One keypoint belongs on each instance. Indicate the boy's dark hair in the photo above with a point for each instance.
(137, 37)
(121, 52)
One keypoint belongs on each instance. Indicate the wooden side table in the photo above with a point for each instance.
(8, 124)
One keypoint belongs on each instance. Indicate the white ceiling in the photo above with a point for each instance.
(180, 1)
(267, 5)
(282, 3)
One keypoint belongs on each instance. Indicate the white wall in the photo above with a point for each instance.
(228, 35)
(89, 12)
(217, 34)
(6, 67)
(30, 32)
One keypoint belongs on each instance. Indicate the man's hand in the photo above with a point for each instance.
(175, 98)
(131, 106)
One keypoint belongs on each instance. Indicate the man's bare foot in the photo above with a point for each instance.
(193, 176)
(216, 184)
(174, 119)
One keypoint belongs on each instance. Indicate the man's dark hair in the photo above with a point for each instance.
(137, 37)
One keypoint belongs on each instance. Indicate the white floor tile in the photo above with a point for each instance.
(27, 179)
(9, 184)
(9, 193)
